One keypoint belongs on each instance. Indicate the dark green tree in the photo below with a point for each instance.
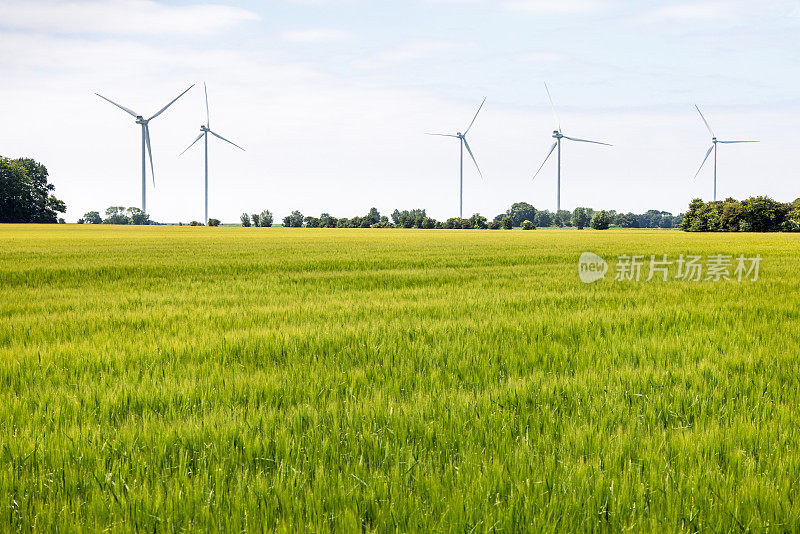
(92, 217)
(295, 220)
(265, 219)
(601, 220)
(520, 211)
(138, 217)
(116, 215)
(25, 194)
(245, 218)
(580, 218)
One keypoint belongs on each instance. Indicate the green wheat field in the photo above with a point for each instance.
(246, 379)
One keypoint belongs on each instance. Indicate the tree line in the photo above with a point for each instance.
(519, 215)
(755, 214)
(129, 216)
(25, 194)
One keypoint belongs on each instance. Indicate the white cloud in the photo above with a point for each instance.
(316, 35)
(126, 17)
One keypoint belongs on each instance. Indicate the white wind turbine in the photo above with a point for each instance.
(463, 142)
(145, 141)
(205, 129)
(558, 136)
(714, 142)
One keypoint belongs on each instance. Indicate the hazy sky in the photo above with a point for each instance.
(331, 99)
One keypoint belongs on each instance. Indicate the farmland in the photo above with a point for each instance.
(164, 378)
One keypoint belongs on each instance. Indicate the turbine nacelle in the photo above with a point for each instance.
(557, 134)
(141, 120)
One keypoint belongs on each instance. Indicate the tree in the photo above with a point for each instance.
(580, 218)
(495, 225)
(245, 218)
(265, 219)
(626, 220)
(256, 219)
(428, 223)
(528, 225)
(196, 223)
(601, 220)
(326, 220)
(116, 215)
(25, 194)
(543, 219)
(92, 217)
(563, 218)
(478, 221)
(214, 222)
(520, 211)
(507, 224)
(138, 217)
(295, 220)
(374, 216)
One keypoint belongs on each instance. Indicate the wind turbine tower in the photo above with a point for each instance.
(146, 150)
(714, 143)
(462, 138)
(558, 136)
(205, 129)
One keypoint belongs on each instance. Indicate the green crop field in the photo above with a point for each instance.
(173, 379)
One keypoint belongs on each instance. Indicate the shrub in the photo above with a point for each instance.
(495, 225)
(507, 223)
(196, 223)
(214, 222)
(528, 225)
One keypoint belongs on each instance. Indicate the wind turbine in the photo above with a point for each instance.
(205, 129)
(558, 136)
(145, 140)
(714, 142)
(462, 138)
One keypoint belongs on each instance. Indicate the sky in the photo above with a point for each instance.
(331, 100)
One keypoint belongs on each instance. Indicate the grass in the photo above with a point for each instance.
(168, 379)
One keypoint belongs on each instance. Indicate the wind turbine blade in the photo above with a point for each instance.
(553, 107)
(472, 156)
(475, 117)
(162, 110)
(150, 152)
(231, 142)
(545, 160)
(442, 135)
(586, 141)
(208, 115)
(704, 161)
(735, 142)
(705, 121)
(190, 146)
(123, 108)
